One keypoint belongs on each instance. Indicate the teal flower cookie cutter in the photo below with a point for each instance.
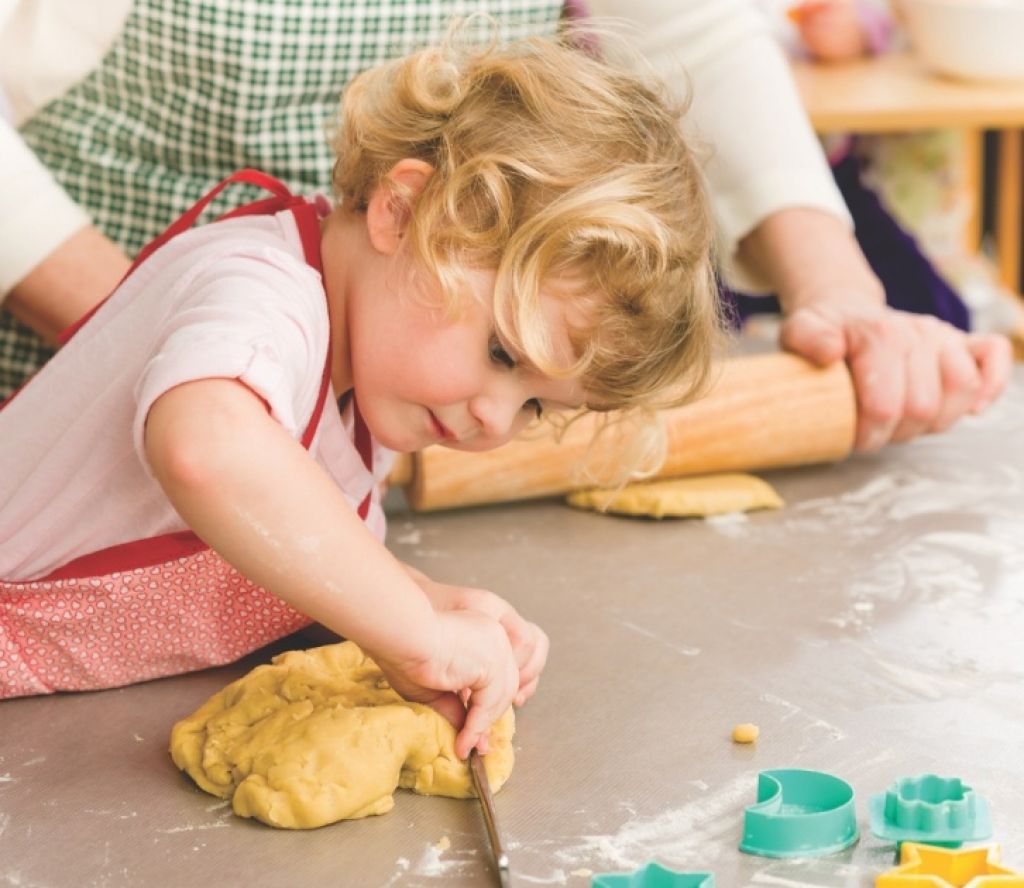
(653, 875)
(799, 814)
(930, 810)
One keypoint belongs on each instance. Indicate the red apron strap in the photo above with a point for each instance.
(282, 199)
(364, 445)
(154, 550)
(307, 219)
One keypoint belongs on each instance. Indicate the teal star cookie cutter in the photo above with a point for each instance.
(799, 814)
(653, 875)
(930, 810)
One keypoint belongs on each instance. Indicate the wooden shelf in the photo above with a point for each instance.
(896, 93)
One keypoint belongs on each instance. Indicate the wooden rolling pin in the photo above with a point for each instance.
(763, 412)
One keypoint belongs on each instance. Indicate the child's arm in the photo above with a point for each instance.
(254, 494)
(529, 642)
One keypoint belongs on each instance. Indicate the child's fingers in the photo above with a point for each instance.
(526, 691)
(451, 707)
(529, 642)
(529, 671)
(486, 705)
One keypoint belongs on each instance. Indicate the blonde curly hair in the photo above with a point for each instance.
(550, 165)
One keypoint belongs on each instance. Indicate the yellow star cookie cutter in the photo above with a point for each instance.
(923, 866)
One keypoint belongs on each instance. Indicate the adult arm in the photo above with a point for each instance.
(913, 374)
(745, 118)
(782, 226)
(54, 265)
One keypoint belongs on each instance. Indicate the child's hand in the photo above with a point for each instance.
(830, 29)
(529, 642)
(473, 660)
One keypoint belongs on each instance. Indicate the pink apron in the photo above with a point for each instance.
(157, 606)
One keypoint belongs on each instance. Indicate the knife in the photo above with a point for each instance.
(483, 791)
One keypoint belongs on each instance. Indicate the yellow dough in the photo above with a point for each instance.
(320, 736)
(683, 497)
(745, 733)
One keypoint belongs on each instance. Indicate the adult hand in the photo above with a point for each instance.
(913, 374)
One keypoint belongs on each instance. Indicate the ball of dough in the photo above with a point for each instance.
(320, 736)
(745, 733)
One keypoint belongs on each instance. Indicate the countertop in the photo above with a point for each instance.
(872, 628)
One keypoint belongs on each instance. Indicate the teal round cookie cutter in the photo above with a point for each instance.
(930, 810)
(653, 875)
(799, 814)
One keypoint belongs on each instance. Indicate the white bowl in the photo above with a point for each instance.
(972, 39)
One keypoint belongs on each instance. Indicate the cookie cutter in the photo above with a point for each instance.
(653, 875)
(926, 866)
(930, 810)
(799, 814)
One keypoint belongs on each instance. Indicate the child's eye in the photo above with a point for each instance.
(498, 353)
(535, 405)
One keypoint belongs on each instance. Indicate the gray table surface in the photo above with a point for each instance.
(872, 628)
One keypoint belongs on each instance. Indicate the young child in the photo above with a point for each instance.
(520, 231)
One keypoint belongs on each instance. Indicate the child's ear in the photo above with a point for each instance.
(387, 213)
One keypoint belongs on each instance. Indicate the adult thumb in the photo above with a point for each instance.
(816, 338)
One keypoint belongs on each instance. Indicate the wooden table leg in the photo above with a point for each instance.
(1008, 208)
(973, 161)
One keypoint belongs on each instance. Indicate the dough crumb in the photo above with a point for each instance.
(584, 873)
(444, 844)
(745, 733)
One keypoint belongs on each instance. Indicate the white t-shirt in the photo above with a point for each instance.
(234, 299)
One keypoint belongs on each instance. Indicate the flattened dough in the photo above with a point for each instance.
(682, 497)
(320, 736)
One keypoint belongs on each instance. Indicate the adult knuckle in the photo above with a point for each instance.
(921, 409)
(880, 327)
(880, 412)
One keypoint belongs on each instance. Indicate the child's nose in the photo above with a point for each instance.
(500, 415)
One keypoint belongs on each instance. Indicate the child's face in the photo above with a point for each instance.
(422, 377)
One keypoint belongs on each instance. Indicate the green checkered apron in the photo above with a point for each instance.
(193, 90)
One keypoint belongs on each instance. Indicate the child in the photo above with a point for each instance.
(519, 232)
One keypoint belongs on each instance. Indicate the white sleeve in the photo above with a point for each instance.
(760, 152)
(6, 11)
(36, 215)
